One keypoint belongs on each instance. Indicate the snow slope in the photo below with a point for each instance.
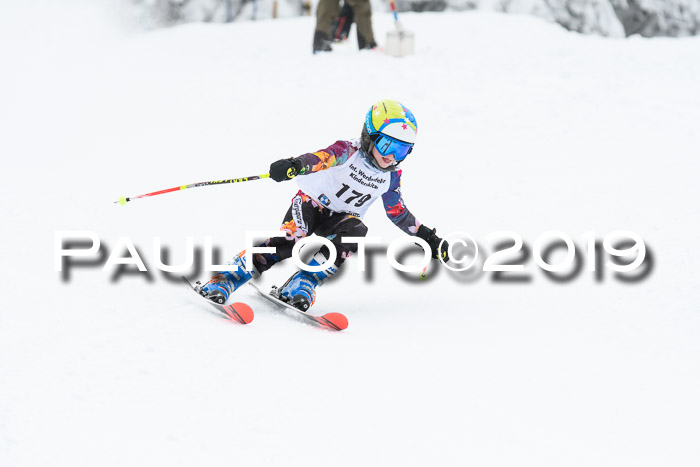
(523, 127)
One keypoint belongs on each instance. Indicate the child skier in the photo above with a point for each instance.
(337, 186)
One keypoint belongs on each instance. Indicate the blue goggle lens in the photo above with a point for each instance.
(388, 146)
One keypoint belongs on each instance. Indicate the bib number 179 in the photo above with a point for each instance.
(361, 198)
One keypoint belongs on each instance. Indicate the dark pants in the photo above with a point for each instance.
(328, 10)
(305, 217)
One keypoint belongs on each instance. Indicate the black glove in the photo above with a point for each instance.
(434, 241)
(285, 169)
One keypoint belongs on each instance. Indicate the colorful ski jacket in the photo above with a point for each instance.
(344, 180)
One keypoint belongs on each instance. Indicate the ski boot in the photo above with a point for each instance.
(300, 289)
(225, 283)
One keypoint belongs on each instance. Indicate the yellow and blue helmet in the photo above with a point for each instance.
(392, 128)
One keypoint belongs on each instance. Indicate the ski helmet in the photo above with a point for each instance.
(391, 127)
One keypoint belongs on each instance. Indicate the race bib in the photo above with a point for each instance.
(351, 187)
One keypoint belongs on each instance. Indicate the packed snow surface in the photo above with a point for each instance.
(523, 127)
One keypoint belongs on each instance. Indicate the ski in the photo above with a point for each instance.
(331, 321)
(238, 312)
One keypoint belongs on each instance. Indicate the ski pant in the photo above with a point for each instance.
(305, 217)
(328, 10)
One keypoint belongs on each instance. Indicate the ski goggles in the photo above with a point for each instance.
(388, 146)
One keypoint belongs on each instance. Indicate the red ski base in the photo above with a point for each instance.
(334, 321)
(330, 321)
(239, 312)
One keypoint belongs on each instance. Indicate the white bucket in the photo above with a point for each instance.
(399, 43)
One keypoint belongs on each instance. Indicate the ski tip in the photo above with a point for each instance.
(240, 312)
(335, 321)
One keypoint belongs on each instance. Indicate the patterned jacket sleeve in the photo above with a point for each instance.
(335, 154)
(396, 209)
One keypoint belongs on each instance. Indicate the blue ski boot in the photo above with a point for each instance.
(225, 283)
(300, 289)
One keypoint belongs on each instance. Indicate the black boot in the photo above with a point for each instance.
(364, 44)
(322, 42)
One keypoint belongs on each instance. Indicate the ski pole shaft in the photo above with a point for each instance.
(123, 200)
(393, 9)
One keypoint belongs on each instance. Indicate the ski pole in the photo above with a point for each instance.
(396, 15)
(123, 199)
(423, 276)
